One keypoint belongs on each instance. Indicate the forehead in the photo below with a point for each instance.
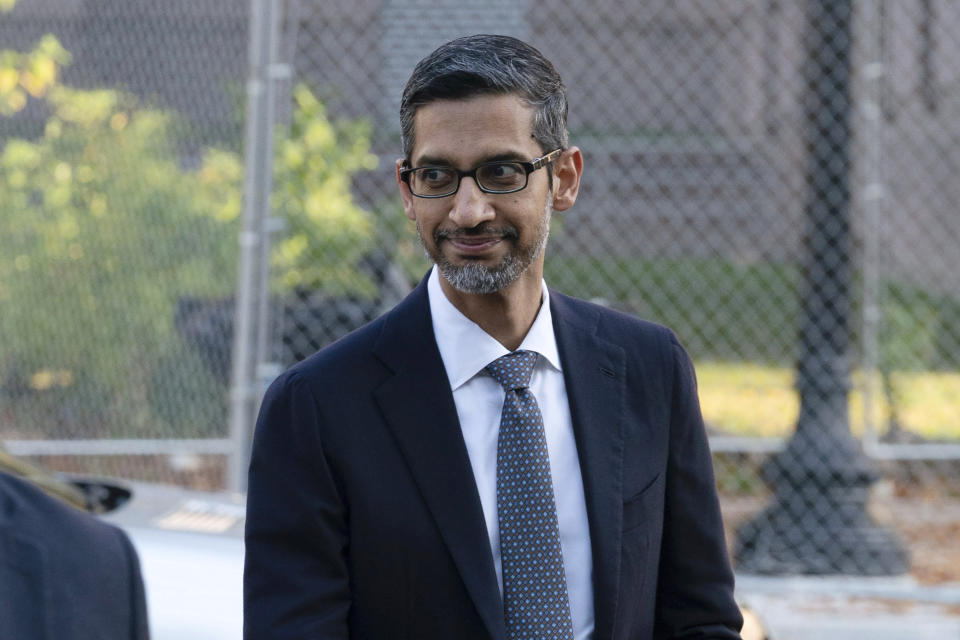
(467, 131)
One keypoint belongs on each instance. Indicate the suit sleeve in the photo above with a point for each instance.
(139, 629)
(296, 583)
(695, 591)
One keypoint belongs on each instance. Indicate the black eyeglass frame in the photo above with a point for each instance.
(528, 168)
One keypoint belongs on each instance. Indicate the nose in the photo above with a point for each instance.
(470, 206)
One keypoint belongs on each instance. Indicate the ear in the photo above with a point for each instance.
(405, 196)
(567, 170)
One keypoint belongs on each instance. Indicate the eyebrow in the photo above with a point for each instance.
(437, 161)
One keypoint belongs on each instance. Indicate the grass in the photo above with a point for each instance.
(749, 311)
(739, 321)
(755, 400)
(720, 310)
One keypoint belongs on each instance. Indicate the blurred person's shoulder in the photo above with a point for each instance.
(42, 519)
(62, 569)
(21, 499)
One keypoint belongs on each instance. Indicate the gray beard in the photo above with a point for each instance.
(476, 278)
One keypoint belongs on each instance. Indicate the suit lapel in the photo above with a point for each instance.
(594, 371)
(418, 405)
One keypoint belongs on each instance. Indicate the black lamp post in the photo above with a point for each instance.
(817, 522)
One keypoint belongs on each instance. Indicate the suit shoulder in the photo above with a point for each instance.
(37, 513)
(349, 358)
(652, 347)
(340, 353)
(88, 569)
(614, 322)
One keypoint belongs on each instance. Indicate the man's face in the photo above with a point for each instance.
(480, 242)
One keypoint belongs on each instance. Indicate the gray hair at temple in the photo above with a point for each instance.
(489, 65)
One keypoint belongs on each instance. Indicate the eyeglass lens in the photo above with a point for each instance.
(496, 177)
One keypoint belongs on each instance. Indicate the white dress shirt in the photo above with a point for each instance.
(466, 349)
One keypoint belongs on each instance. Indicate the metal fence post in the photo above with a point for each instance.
(873, 202)
(251, 285)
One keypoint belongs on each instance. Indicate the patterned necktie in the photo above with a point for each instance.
(535, 600)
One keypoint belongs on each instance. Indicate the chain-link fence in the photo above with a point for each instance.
(770, 178)
(121, 137)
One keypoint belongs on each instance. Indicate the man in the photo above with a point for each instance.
(490, 459)
(64, 574)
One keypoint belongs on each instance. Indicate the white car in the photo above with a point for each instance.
(190, 545)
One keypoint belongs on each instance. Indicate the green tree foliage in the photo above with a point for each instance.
(102, 229)
(328, 233)
(29, 74)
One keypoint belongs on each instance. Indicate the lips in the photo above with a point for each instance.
(474, 241)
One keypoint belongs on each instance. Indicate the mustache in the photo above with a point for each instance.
(472, 232)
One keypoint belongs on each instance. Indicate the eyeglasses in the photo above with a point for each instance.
(491, 177)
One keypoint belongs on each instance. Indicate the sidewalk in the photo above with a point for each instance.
(841, 608)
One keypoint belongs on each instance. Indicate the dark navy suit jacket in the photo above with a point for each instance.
(364, 521)
(64, 575)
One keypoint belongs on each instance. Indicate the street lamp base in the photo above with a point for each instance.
(829, 539)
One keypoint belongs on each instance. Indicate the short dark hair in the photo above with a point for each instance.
(489, 65)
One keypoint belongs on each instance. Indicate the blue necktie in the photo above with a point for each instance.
(535, 602)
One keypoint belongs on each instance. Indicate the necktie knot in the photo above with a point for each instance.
(513, 370)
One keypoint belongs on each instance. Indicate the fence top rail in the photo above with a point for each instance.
(119, 447)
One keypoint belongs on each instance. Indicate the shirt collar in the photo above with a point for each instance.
(466, 349)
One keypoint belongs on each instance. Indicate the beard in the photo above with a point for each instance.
(477, 278)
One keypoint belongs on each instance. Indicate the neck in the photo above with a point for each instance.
(506, 315)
